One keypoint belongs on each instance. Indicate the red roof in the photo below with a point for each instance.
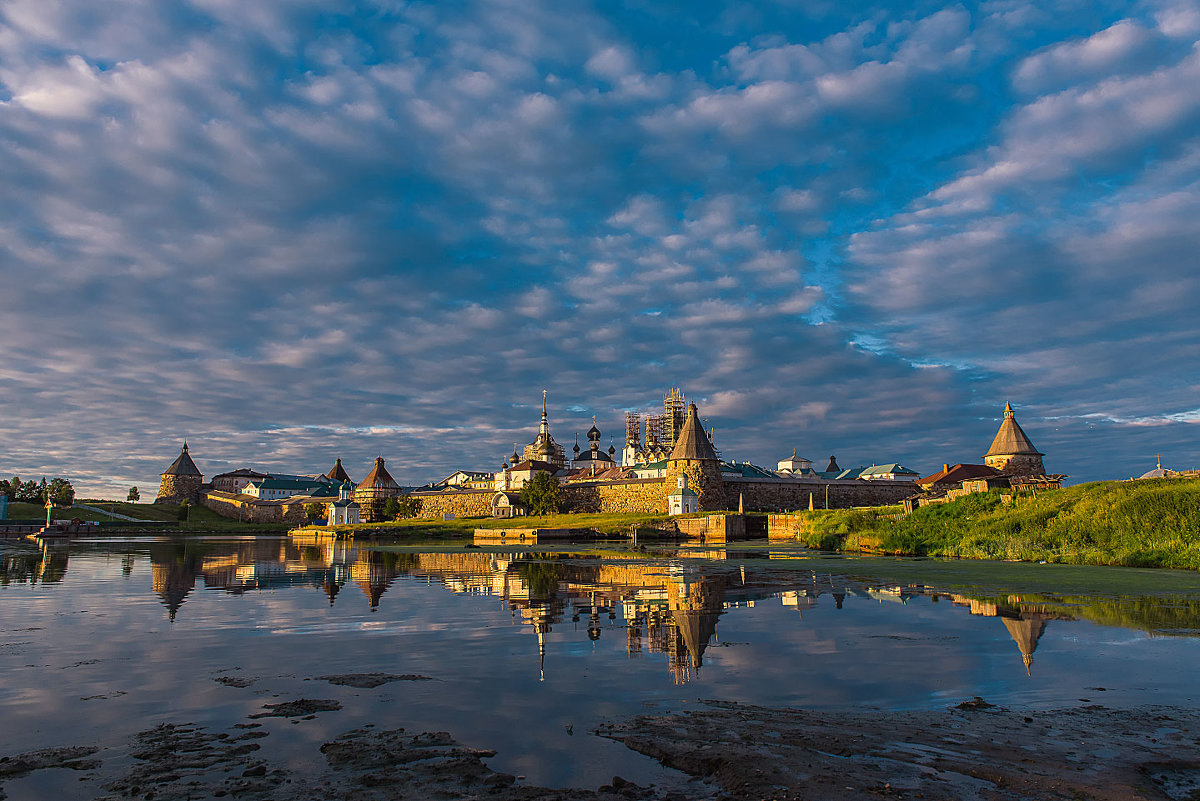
(535, 464)
(957, 474)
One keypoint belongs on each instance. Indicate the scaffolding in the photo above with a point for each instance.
(674, 413)
(654, 428)
(633, 429)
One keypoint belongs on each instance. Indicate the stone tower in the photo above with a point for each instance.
(181, 481)
(375, 489)
(1011, 450)
(694, 456)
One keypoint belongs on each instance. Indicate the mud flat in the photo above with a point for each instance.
(721, 750)
(973, 751)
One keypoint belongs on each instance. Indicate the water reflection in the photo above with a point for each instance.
(660, 604)
(44, 565)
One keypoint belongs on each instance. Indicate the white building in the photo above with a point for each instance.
(683, 501)
(343, 511)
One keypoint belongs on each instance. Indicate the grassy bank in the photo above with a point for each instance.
(618, 525)
(1139, 524)
(200, 518)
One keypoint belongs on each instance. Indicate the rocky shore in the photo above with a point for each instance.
(720, 751)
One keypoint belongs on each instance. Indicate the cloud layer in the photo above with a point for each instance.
(301, 230)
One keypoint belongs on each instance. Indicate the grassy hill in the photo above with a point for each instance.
(1140, 524)
(200, 519)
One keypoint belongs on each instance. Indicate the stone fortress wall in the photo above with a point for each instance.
(461, 503)
(649, 496)
(767, 495)
(252, 510)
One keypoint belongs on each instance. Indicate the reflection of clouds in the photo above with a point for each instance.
(457, 626)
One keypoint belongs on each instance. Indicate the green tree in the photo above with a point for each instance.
(409, 506)
(61, 492)
(540, 495)
(24, 491)
(391, 508)
(6, 488)
(134, 495)
(314, 510)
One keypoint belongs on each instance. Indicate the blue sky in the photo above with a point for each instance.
(292, 231)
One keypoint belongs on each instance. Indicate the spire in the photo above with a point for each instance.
(545, 428)
(1010, 440)
(183, 465)
(692, 442)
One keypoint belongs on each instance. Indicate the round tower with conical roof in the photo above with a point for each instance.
(695, 457)
(1012, 453)
(375, 489)
(181, 481)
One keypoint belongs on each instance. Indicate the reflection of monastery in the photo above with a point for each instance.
(658, 607)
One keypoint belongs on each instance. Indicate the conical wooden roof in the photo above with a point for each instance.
(379, 478)
(1010, 439)
(1026, 631)
(692, 442)
(183, 466)
(338, 473)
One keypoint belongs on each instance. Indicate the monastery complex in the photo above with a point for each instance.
(669, 465)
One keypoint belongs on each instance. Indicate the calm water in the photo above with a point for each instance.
(528, 651)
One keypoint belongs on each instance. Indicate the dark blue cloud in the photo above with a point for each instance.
(305, 230)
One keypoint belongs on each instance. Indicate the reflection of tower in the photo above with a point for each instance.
(633, 631)
(374, 572)
(174, 567)
(541, 618)
(331, 585)
(695, 607)
(1026, 630)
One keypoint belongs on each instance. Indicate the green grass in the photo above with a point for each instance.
(1135, 524)
(614, 524)
(200, 519)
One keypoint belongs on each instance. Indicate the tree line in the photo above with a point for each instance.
(58, 490)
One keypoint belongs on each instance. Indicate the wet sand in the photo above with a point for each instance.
(721, 750)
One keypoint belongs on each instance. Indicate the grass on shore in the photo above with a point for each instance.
(200, 518)
(1137, 524)
(615, 524)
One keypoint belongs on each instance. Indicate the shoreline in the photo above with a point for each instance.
(722, 750)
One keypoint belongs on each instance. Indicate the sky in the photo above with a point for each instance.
(292, 231)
